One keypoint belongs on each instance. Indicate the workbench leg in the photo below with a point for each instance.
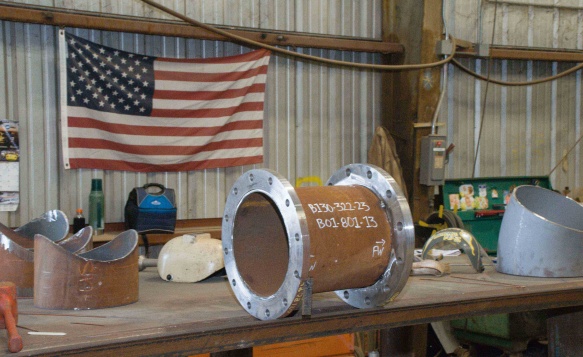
(404, 341)
(565, 333)
(244, 352)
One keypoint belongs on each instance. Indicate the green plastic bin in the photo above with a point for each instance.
(482, 213)
(510, 332)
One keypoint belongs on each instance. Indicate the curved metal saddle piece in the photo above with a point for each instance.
(79, 242)
(106, 276)
(460, 238)
(15, 237)
(16, 256)
(53, 224)
(16, 265)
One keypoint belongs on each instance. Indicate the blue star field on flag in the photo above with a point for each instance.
(110, 80)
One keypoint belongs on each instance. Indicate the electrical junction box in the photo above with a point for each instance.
(432, 169)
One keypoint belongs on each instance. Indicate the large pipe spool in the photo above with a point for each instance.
(354, 236)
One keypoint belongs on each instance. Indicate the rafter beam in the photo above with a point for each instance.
(527, 54)
(108, 22)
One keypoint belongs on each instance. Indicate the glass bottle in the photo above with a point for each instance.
(78, 221)
(96, 207)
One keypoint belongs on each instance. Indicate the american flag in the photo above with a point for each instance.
(126, 111)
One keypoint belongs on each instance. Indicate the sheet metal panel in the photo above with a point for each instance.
(516, 122)
(565, 129)
(518, 28)
(463, 19)
(527, 130)
(577, 153)
(556, 27)
(503, 143)
(317, 118)
(457, 119)
(29, 74)
(5, 94)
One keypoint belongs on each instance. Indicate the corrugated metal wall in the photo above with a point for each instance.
(526, 130)
(317, 118)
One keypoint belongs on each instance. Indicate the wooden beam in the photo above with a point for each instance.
(398, 116)
(401, 22)
(548, 5)
(535, 55)
(429, 89)
(526, 54)
(108, 22)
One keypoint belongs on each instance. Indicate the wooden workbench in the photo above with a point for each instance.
(184, 319)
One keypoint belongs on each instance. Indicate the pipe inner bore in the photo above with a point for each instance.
(551, 206)
(260, 244)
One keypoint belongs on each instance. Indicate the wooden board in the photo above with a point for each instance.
(336, 346)
(186, 319)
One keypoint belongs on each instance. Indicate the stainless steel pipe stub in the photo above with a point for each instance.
(354, 236)
(541, 235)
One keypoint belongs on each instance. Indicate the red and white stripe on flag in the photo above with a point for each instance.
(131, 112)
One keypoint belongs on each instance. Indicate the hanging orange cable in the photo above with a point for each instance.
(516, 84)
(250, 42)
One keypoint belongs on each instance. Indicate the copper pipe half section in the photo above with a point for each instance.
(106, 276)
(17, 266)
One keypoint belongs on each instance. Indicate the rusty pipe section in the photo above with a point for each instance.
(354, 236)
(349, 232)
